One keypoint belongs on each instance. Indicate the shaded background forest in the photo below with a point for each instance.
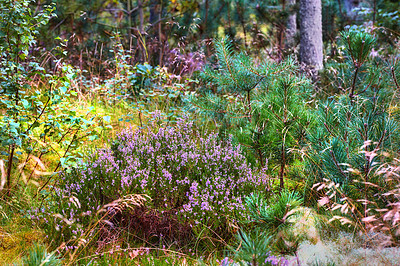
(177, 33)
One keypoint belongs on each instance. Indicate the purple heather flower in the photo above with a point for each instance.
(171, 165)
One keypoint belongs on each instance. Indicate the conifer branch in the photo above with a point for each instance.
(228, 65)
(353, 86)
(206, 109)
(394, 78)
(369, 84)
(381, 140)
(327, 128)
(252, 71)
(337, 164)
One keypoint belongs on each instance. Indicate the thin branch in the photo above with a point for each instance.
(394, 78)
(336, 163)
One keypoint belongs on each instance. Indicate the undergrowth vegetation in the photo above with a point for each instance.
(196, 183)
(224, 159)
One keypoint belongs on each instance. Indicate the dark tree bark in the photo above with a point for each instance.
(141, 21)
(291, 28)
(153, 11)
(311, 34)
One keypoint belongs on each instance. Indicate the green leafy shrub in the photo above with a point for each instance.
(18, 27)
(36, 118)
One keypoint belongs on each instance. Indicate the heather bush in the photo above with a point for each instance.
(197, 178)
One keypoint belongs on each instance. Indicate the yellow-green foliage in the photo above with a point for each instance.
(15, 239)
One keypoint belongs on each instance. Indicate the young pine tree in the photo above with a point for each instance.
(262, 105)
(357, 125)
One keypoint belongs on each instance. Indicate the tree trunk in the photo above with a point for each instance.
(141, 21)
(281, 33)
(350, 5)
(160, 38)
(9, 167)
(153, 11)
(311, 34)
(206, 7)
(291, 27)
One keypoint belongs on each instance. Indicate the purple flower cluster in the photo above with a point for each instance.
(184, 63)
(270, 260)
(197, 176)
(273, 260)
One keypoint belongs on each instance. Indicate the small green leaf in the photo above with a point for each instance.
(63, 161)
(25, 103)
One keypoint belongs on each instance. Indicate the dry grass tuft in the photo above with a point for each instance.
(16, 240)
(347, 250)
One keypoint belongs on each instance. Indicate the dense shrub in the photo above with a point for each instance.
(198, 178)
